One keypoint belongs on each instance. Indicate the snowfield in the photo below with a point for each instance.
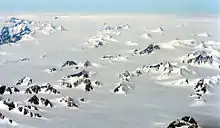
(109, 71)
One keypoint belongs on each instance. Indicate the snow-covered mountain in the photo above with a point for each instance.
(20, 29)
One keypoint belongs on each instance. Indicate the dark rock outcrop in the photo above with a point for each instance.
(10, 90)
(83, 100)
(87, 64)
(69, 63)
(40, 101)
(165, 67)
(33, 89)
(69, 102)
(79, 79)
(24, 110)
(149, 49)
(49, 88)
(3, 118)
(123, 87)
(24, 81)
(46, 88)
(51, 70)
(82, 73)
(204, 56)
(185, 122)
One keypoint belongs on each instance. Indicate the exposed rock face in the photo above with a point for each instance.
(3, 118)
(69, 63)
(83, 74)
(45, 88)
(149, 49)
(69, 102)
(123, 88)
(11, 105)
(83, 100)
(98, 83)
(114, 58)
(185, 122)
(165, 67)
(42, 101)
(80, 79)
(51, 70)
(205, 56)
(88, 86)
(25, 81)
(126, 76)
(31, 107)
(24, 110)
(202, 85)
(114, 29)
(199, 59)
(87, 64)
(33, 89)
(8, 90)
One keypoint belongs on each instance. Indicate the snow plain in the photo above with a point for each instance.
(151, 102)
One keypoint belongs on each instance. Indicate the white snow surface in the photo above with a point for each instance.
(151, 99)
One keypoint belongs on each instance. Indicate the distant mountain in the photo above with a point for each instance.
(17, 29)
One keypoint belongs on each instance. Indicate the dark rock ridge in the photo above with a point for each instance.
(96, 42)
(40, 101)
(69, 102)
(10, 90)
(31, 107)
(202, 86)
(3, 118)
(83, 100)
(108, 57)
(123, 87)
(204, 56)
(166, 67)
(87, 64)
(125, 84)
(45, 88)
(83, 74)
(185, 122)
(114, 58)
(69, 63)
(201, 59)
(149, 49)
(49, 88)
(51, 70)
(24, 81)
(81, 78)
(24, 110)
(87, 82)
(33, 89)
(126, 76)
(98, 83)
(99, 44)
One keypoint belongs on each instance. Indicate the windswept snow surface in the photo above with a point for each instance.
(102, 71)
